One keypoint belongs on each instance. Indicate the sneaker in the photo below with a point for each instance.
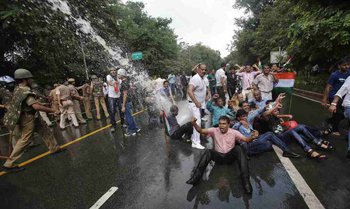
(133, 134)
(12, 169)
(197, 145)
(138, 130)
(127, 134)
(204, 119)
(112, 129)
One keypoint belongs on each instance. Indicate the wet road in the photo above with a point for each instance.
(150, 172)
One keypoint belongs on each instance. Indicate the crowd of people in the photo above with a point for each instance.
(244, 115)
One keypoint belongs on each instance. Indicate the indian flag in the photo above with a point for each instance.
(166, 123)
(285, 82)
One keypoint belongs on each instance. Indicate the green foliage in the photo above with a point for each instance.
(311, 31)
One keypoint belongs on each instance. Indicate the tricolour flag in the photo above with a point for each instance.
(285, 82)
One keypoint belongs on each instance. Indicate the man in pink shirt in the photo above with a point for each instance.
(225, 151)
(248, 76)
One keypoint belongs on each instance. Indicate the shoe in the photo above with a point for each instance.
(112, 129)
(197, 146)
(290, 154)
(247, 187)
(193, 180)
(348, 154)
(128, 134)
(12, 169)
(133, 134)
(138, 130)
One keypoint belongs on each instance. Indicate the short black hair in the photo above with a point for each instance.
(241, 103)
(223, 64)
(165, 82)
(224, 117)
(240, 113)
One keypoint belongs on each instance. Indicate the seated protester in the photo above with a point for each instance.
(225, 151)
(274, 122)
(261, 143)
(258, 100)
(218, 109)
(175, 130)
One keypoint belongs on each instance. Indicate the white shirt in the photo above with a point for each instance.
(111, 91)
(345, 90)
(220, 73)
(200, 88)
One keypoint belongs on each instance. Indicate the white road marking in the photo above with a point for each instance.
(104, 198)
(308, 195)
(294, 94)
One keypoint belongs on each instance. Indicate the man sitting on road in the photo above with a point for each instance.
(225, 151)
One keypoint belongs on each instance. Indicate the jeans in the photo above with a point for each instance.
(264, 143)
(295, 134)
(114, 104)
(132, 128)
(184, 129)
(347, 115)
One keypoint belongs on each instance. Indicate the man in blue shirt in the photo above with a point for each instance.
(335, 81)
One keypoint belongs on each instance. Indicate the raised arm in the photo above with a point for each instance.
(198, 128)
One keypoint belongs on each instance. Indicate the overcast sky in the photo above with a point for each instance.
(208, 21)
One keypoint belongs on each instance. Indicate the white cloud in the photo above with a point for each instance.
(208, 21)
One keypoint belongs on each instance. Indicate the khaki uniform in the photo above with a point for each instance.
(66, 107)
(54, 100)
(22, 114)
(86, 100)
(97, 93)
(76, 103)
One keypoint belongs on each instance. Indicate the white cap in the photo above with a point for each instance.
(122, 72)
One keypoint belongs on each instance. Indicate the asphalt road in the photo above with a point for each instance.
(150, 172)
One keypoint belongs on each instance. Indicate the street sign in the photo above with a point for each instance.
(136, 56)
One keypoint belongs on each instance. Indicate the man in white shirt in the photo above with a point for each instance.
(113, 98)
(220, 76)
(197, 92)
(343, 91)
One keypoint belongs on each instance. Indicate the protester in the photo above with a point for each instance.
(264, 83)
(165, 91)
(225, 151)
(221, 81)
(212, 82)
(127, 103)
(114, 98)
(247, 75)
(176, 132)
(218, 109)
(197, 92)
(172, 83)
(231, 81)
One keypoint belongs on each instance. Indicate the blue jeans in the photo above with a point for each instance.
(264, 143)
(347, 115)
(114, 105)
(132, 128)
(295, 134)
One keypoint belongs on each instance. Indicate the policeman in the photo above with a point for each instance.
(66, 106)
(22, 111)
(97, 93)
(76, 98)
(86, 89)
(40, 97)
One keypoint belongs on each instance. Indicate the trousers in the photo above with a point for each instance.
(184, 129)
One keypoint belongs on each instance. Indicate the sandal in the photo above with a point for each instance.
(327, 145)
(327, 132)
(319, 157)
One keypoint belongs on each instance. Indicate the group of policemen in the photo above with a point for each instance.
(27, 108)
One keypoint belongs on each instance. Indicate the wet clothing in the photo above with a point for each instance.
(97, 88)
(66, 107)
(176, 131)
(265, 85)
(125, 86)
(86, 100)
(224, 143)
